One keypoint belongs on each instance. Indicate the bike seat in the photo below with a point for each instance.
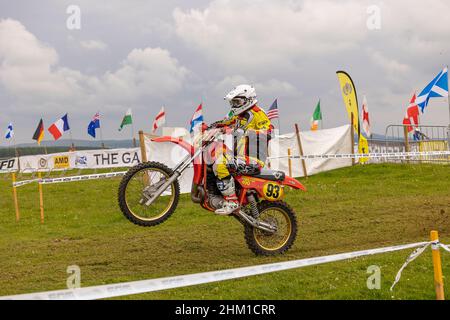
(244, 169)
(272, 175)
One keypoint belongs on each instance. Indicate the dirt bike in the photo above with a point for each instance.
(149, 193)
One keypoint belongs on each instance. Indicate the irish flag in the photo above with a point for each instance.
(127, 119)
(59, 127)
(317, 116)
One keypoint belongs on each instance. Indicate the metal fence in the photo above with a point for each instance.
(420, 139)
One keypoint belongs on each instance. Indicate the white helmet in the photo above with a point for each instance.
(241, 98)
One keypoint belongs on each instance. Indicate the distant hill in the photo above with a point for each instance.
(61, 146)
(110, 144)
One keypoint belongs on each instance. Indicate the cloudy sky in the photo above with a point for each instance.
(143, 54)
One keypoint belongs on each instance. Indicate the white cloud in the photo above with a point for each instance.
(395, 71)
(249, 35)
(271, 87)
(29, 70)
(145, 72)
(27, 65)
(93, 45)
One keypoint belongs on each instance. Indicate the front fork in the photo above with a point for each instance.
(179, 169)
(252, 218)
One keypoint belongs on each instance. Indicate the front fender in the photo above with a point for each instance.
(293, 183)
(185, 145)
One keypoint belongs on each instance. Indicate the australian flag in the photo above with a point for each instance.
(436, 88)
(9, 132)
(94, 124)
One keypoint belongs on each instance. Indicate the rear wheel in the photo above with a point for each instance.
(266, 243)
(138, 185)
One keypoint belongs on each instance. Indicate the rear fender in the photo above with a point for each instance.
(293, 183)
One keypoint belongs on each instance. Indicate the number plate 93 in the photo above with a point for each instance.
(273, 191)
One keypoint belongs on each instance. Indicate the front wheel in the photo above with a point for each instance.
(138, 186)
(265, 243)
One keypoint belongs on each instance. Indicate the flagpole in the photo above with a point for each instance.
(448, 98)
(13, 138)
(321, 115)
(132, 131)
(279, 123)
(72, 147)
(101, 133)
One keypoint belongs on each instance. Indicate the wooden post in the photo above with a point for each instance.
(16, 201)
(41, 197)
(290, 162)
(144, 158)
(405, 133)
(438, 282)
(142, 144)
(300, 148)
(352, 138)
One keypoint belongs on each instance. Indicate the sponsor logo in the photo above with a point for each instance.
(246, 181)
(43, 163)
(7, 164)
(116, 158)
(81, 161)
(347, 89)
(61, 162)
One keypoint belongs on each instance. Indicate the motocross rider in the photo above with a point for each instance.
(246, 119)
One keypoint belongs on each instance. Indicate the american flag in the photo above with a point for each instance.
(272, 113)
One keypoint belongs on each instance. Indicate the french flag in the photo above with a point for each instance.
(59, 127)
(197, 118)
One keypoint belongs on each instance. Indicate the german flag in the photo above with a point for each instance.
(39, 133)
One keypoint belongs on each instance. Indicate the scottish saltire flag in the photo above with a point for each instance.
(59, 127)
(94, 124)
(272, 113)
(436, 88)
(197, 119)
(159, 120)
(9, 131)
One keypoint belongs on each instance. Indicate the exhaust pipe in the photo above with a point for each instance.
(197, 193)
(255, 223)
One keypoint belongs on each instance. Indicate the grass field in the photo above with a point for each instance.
(344, 210)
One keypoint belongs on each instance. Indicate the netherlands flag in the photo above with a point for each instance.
(59, 127)
(197, 119)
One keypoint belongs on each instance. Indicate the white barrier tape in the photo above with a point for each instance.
(416, 253)
(25, 182)
(443, 246)
(137, 287)
(413, 256)
(398, 155)
(82, 177)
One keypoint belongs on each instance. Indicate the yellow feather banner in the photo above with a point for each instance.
(350, 99)
(363, 148)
